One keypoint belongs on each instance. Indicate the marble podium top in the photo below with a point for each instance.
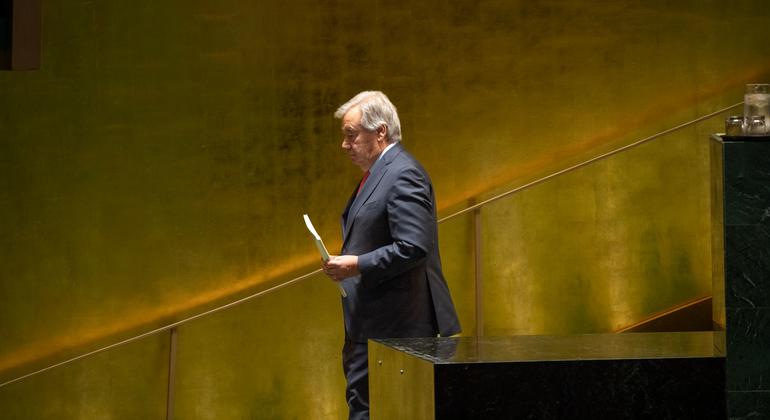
(531, 348)
(721, 137)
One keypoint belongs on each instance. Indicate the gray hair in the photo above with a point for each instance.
(376, 110)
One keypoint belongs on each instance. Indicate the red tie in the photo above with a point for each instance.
(363, 180)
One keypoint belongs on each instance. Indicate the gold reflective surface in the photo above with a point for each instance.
(128, 382)
(160, 160)
(401, 385)
(276, 357)
(458, 265)
(718, 233)
(602, 247)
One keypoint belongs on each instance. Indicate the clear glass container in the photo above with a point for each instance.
(755, 126)
(756, 101)
(734, 126)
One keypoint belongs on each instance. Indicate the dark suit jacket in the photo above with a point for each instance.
(391, 225)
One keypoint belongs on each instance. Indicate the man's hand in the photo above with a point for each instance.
(340, 267)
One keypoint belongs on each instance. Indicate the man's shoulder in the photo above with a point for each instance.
(406, 167)
(402, 157)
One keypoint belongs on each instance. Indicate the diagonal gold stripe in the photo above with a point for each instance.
(661, 314)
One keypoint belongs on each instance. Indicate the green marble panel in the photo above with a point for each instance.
(748, 405)
(746, 274)
(748, 349)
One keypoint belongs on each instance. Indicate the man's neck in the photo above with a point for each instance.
(388, 147)
(379, 156)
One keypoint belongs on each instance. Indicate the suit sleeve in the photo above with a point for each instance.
(412, 227)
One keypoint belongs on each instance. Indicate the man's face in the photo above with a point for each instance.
(361, 145)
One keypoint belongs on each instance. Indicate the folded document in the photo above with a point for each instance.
(319, 243)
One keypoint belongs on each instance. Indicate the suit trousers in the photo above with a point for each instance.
(355, 364)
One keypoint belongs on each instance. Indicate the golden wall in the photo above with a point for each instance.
(159, 162)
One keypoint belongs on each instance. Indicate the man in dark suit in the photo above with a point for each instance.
(389, 264)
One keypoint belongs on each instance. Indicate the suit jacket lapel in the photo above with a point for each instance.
(376, 172)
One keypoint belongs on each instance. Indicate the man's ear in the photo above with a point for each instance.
(382, 132)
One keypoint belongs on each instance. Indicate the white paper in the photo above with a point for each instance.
(319, 243)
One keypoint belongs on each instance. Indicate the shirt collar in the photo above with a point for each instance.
(388, 147)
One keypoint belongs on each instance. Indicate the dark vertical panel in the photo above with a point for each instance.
(19, 34)
(5, 34)
(746, 227)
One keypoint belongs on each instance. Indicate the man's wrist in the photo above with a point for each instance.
(362, 263)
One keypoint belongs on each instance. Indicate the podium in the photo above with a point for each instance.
(600, 376)
(740, 203)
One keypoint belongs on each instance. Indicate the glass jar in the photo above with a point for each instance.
(756, 101)
(755, 126)
(734, 126)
